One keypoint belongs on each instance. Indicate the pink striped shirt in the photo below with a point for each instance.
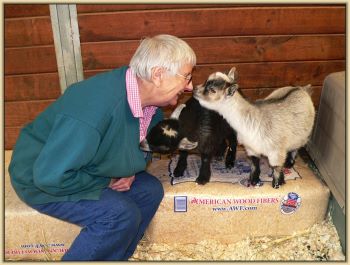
(145, 115)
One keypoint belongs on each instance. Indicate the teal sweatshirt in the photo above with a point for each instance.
(75, 146)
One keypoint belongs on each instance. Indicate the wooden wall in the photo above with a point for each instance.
(31, 75)
(271, 46)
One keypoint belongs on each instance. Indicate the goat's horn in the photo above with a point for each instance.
(176, 113)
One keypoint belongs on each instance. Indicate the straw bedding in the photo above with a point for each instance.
(318, 243)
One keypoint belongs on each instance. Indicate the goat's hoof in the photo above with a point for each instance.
(201, 181)
(255, 182)
(275, 184)
(254, 178)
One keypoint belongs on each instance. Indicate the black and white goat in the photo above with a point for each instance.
(275, 127)
(191, 126)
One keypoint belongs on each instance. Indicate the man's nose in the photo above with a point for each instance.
(189, 87)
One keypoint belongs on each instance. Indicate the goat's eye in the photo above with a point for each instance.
(211, 90)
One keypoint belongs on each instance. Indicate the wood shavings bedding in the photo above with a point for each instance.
(318, 243)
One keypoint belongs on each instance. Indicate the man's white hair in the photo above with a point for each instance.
(166, 51)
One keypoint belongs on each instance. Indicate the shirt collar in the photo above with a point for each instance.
(132, 90)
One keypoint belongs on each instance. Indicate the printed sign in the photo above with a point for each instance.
(233, 204)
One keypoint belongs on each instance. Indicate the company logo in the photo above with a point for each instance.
(290, 203)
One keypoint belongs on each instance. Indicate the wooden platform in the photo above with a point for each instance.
(231, 212)
(217, 211)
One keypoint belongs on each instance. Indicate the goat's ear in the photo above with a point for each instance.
(308, 88)
(233, 74)
(176, 113)
(144, 146)
(231, 90)
(186, 144)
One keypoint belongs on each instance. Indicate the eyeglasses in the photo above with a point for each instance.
(188, 77)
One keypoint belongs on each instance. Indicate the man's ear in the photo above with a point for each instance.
(156, 75)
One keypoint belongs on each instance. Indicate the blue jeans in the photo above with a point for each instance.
(113, 225)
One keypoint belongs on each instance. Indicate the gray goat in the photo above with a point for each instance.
(275, 127)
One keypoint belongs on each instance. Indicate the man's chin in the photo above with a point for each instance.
(173, 102)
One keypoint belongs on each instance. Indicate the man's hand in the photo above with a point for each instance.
(121, 184)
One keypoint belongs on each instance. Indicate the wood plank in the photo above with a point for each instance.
(240, 21)
(32, 87)
(86, 8)
(18, 113)
(269, 48)
(98, 8)
(103, 55)
(257, 75)
(28, 32)
(30, 60)
(228, 49)
(10, 137)
(276, 74)
(67, 44)
(25, 10)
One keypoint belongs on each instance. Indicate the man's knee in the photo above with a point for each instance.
(157, 190)
(122, 213)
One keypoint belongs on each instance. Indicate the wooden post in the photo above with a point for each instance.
(67, 43)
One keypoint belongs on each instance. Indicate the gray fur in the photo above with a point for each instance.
(272, 127)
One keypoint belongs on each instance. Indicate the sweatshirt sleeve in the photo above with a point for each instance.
(59, 168)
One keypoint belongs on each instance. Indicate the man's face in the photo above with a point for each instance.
(173, 86)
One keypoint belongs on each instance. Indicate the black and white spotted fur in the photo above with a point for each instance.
(192, 126)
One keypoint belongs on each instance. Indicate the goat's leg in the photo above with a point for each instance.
(230, 158)
(181, 164)
(278, 177)
(290, 160)
(204, 172)
(255, 173)
(220, 153)
(276, 160)
(231, 153)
